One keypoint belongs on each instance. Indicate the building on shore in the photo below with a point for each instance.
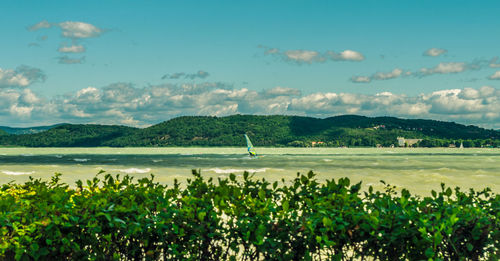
(402, 142)
(317, 143)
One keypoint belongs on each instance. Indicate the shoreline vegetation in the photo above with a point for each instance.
(264, 131)
(117, 218)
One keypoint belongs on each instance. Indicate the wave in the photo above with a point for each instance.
(17, 173)
(135, 170)
(227, 171)
(81, 160)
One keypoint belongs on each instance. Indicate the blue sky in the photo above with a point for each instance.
(142, 62)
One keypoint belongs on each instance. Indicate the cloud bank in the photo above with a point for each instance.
(440, 69)
(22, 76)
(311, 56)
(70, 29)
(75, 31)
(123, 103)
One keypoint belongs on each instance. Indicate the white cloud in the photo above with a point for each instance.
(281, 91)
(200, 74)
(70, 29)
(347, 55)
(303, 56)
(435, 52)
(75, 31)
(41, 25)
(444, 68)
(122, 103)
(22, 76)
(78, 30)
(310, 56)
(379, 76)
(495, 76)
(20, 111)
(441, 68)
(361, 79)
(71, 49)
(493, 63)
(385, 76)
(68, 60)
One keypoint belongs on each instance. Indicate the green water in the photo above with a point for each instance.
(419, 170)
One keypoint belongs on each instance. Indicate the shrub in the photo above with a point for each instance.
(113, 217)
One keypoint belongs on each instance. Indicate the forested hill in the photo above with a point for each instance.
(69, 135)
(347, 130)
(30, 130)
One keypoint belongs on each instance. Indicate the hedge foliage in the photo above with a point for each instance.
(113, 217)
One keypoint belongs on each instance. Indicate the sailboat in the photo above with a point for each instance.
(250, 148)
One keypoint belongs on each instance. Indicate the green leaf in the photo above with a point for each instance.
(327, 222)
(262, 194)
(119, 220)
(429, 252)
(285, 205)
(201, 216)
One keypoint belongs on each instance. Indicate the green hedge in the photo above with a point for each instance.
(244, 219)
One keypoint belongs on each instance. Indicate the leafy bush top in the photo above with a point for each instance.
(115, 217)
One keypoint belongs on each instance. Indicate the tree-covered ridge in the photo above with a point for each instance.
(276, 130)
(69, 135)
(29, 130)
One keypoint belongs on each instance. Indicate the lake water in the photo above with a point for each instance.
(419, 170)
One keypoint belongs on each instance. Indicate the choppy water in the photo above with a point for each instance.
(419, 170)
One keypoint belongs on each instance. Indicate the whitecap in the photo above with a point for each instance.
(58, 156)
(17, 173)
(226, 171)
(81, 160)
(135, 170)
(327, 160)
(159, 160)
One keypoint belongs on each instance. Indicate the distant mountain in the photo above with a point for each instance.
(69, 135)
(28, 130)
(346, 130)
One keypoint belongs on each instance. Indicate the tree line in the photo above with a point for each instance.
(276, 130)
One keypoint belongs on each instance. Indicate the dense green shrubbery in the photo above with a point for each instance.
(244, 219)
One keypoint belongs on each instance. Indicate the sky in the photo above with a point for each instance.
(138, 63)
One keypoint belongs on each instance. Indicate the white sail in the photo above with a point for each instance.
(250, 148)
